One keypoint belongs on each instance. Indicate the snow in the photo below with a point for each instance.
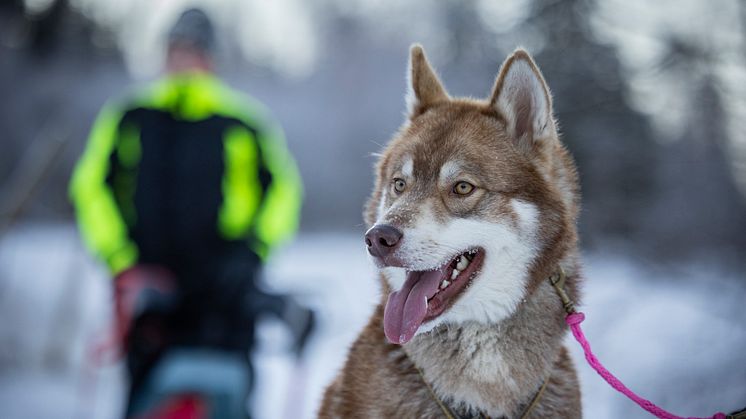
(674, 334)
(676, 338)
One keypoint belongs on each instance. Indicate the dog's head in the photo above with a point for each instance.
(471, 197)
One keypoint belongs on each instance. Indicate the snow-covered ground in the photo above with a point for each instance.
(677, 335)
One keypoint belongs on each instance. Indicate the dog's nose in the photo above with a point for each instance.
(382, 240)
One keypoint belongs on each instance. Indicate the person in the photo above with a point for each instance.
(187, 185)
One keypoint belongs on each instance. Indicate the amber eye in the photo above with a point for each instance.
(463, 188)
(399, 185)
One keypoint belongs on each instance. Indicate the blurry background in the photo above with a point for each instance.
(651, 99)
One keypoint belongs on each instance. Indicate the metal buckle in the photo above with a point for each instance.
(558, 282)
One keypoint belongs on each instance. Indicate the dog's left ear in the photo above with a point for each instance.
(522, 97)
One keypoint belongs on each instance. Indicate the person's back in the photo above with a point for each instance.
(195, 172)
(186, 186)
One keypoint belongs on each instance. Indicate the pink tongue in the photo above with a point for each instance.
(406, 308)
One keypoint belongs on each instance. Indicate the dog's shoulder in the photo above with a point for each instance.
(378, 379)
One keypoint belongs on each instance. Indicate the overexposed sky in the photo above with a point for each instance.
(280, 34)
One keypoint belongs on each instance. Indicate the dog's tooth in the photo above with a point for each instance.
(455, 273)
(444, 284)
(462, 264)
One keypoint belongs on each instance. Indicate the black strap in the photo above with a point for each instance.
(739, 414)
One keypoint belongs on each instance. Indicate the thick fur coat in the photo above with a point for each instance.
(474, 207)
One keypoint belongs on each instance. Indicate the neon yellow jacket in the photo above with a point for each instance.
(214, 128)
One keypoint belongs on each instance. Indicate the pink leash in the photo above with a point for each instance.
(574, 319)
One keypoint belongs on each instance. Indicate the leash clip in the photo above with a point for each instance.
(557, 280)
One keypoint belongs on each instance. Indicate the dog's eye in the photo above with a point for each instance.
(399, 185)
(463, 188)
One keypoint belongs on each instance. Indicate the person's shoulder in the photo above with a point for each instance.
(244, 107)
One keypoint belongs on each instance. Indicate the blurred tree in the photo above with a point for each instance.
(697, 200)
(49, 68)
(611, 142)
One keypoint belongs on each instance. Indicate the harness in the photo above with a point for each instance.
(449, 414)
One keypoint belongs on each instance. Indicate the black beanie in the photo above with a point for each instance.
(193, 28)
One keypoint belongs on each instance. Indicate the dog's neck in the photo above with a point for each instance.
(495, 368)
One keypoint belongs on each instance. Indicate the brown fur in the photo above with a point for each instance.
(474, 367)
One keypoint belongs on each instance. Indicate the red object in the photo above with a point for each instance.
(573, 320)
(127, 287)
(187, 406)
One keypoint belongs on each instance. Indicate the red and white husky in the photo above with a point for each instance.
(474, 207)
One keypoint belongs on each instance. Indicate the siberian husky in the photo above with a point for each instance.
(474, 208)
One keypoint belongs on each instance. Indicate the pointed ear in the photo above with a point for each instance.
(522, 97)
(425, 89)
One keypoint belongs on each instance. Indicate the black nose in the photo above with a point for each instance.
(382, 240)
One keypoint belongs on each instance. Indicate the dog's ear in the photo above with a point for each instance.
(522, 97)
(424, 87)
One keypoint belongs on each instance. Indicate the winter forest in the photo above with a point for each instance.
(651, 100)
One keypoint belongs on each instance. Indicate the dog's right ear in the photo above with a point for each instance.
(424, 87)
